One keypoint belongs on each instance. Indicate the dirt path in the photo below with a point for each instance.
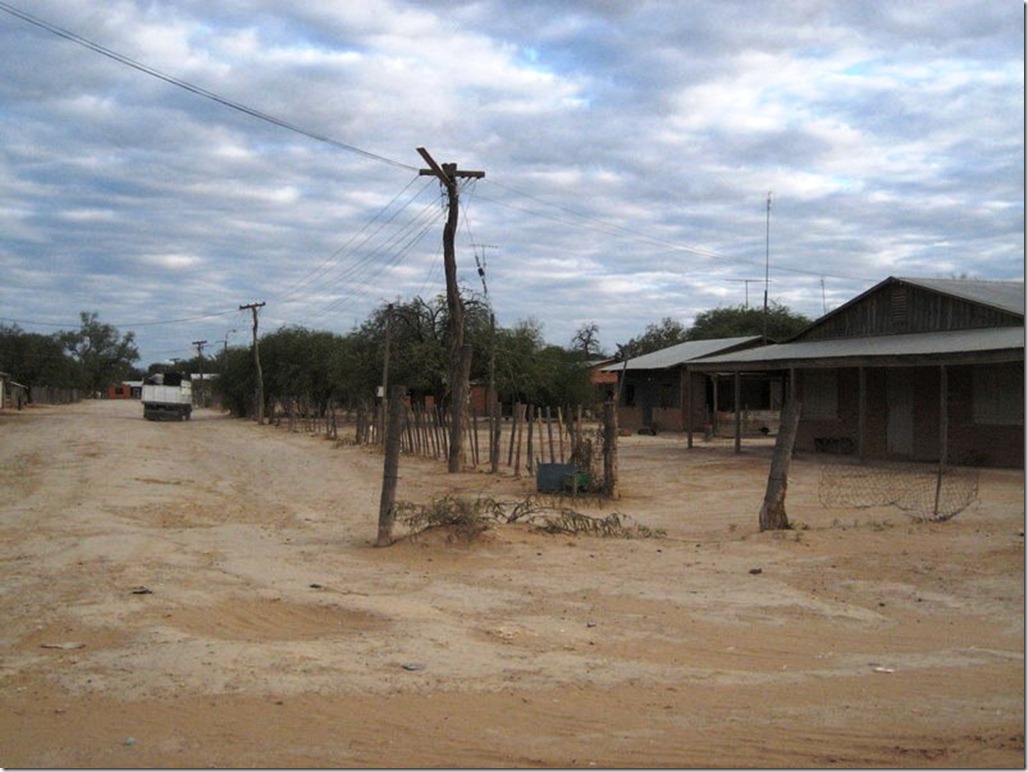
(205, 593)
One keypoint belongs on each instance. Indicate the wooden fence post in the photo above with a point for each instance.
(529, 450)
(520, 428)
(394, 432)
(610, 449)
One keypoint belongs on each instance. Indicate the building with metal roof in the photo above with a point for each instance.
(916, 369)
(655, 387)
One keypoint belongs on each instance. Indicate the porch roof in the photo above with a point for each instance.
(991, 344)
(679, 354)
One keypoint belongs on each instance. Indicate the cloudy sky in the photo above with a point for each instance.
(163, 163)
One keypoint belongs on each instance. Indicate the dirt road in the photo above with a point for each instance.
(205, 594)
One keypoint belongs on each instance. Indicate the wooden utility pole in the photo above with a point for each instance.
(257, 360)
(448, 174)
(394, 431)
(199, 352)
(491, 398)
(494, 403)
(385, 372)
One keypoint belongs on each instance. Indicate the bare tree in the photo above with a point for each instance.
(587, 339)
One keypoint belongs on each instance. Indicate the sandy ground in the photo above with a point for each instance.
(206, 594)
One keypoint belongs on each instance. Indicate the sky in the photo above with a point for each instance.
(164, 163)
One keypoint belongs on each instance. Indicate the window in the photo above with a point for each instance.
(821, 395)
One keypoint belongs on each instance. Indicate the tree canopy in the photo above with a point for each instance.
(736, 321)
(668, 332)
(89, 358)
(102, 354)
(347, 369)
(34, 359)
(322, 367)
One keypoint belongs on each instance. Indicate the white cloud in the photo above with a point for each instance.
(628, 149)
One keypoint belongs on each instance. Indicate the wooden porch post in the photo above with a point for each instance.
(713, 422)
(943, 433)
(738, 412)
(862, 413)
(943, 416)
(688, 407)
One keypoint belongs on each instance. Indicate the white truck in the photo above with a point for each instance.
(167, 397)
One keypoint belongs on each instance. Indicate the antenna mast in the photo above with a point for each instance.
(767, 258)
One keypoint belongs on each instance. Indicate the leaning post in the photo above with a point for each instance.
(772, 511)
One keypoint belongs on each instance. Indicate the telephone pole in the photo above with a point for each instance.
(385, 372)
(460, 355)
(257, 360)
(199, 352)
(491, 399)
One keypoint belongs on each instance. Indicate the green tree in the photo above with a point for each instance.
(529, 370)
(33, 359)
(735, 321)
(668, 332)
(102, 355)
(419, 344)
(237, 380)
(296, 363)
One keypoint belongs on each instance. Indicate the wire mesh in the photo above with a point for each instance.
(923, 491)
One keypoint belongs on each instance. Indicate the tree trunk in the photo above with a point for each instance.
(772, 512)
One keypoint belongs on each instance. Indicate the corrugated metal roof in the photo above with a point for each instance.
(1004, 295)
(672, 356)
(922, 344)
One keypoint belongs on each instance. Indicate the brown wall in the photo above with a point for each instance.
(968, 442)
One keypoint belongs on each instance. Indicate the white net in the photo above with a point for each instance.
(924, 491)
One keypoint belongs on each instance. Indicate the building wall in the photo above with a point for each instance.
(898, 308)
(972, 439)
(660, 398)
(119, 391)
(977, 440)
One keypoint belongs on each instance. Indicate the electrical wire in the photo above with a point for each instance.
(365, 274)
(357, 272)
(325, 266)
(609, 228)
(198, 90)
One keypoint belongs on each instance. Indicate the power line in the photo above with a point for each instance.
(599, 224)
(603, 226)
(197, 318)
(198, 90)
(584, 220)
(325, 266)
